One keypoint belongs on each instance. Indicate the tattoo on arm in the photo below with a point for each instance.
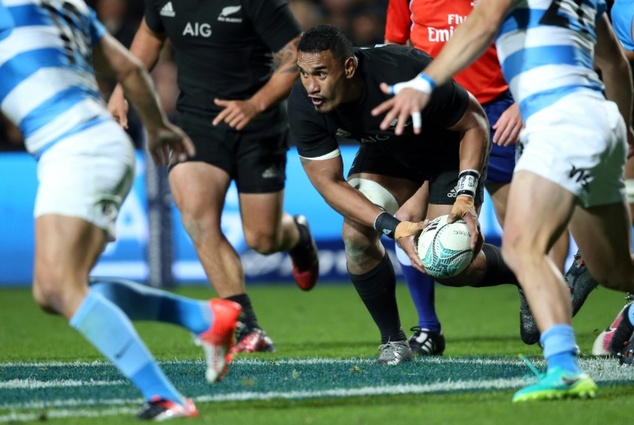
(285, 60)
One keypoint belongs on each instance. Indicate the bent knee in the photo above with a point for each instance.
(263, 242)
(360, 249)
(47, 295)
(200, 228)
(511, 250)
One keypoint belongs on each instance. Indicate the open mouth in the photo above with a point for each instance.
(317, 101)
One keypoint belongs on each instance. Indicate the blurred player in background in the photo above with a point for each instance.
(85, 170)
(622, 15)
(570, 173)
(617, 339)
(437, 172)
(231, 89)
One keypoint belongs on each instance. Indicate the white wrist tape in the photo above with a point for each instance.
(422, 82)
(468, 183)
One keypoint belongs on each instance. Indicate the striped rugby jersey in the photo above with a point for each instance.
(546, 49)
(47, 81)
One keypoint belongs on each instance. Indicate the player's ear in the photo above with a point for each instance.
(350, 66)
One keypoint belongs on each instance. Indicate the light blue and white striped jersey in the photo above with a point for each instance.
(546, 49)
(47, 81)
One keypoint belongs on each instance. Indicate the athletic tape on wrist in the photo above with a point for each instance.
(386, 224)
(421, 82)
(468, 183)
(427, 85)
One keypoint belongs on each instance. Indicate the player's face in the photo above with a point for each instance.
(324, 79)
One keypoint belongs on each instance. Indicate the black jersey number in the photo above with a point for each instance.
(567, 14)
(68, 21)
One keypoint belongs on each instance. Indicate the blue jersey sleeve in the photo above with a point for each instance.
(97, 29)
(6, 22)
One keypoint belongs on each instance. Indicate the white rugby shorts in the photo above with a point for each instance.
(87, 175)
(580, 143)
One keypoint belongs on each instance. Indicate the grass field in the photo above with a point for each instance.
(322, 372)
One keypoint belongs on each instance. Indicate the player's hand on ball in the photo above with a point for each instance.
(408, 244)
(461, 207)
(464, 208)
(444, 248)
(408, 228)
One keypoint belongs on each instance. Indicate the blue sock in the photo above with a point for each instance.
(141, 302)
(422, 290)
(560, 348)
(111, 332)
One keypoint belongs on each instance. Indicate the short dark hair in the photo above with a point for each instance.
(326, 37)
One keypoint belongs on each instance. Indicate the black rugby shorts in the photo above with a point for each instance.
(255, 160)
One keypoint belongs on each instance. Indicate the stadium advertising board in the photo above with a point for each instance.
(127, 257)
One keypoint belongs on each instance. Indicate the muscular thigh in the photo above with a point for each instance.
(66, 248)
(261, 212)
(199, 190)
(538, 211)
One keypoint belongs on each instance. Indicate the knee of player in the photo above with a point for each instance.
(48, 294)
(262, 242)
(357, 249)
(511, 250)
(199, 228)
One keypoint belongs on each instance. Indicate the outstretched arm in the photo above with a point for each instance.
(616, 72)
(164, 139)
(468, 42)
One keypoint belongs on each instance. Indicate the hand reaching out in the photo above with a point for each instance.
(169, 144)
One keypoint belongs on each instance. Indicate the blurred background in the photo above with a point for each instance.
(151, 245)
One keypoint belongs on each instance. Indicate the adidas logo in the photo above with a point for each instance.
(342, 133)
(270, 172)
(168, 10)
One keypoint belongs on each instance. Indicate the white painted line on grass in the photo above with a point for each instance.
(30, 384)
(600, 369)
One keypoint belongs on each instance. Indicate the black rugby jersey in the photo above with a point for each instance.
(223, 48)
(317, 134)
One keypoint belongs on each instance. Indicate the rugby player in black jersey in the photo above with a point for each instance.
(236, 64)
(408, 177)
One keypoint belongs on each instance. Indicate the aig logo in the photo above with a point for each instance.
(197, 30)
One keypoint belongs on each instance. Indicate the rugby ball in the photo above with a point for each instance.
(444, 248)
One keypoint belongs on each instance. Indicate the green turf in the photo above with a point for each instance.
(328, 323)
